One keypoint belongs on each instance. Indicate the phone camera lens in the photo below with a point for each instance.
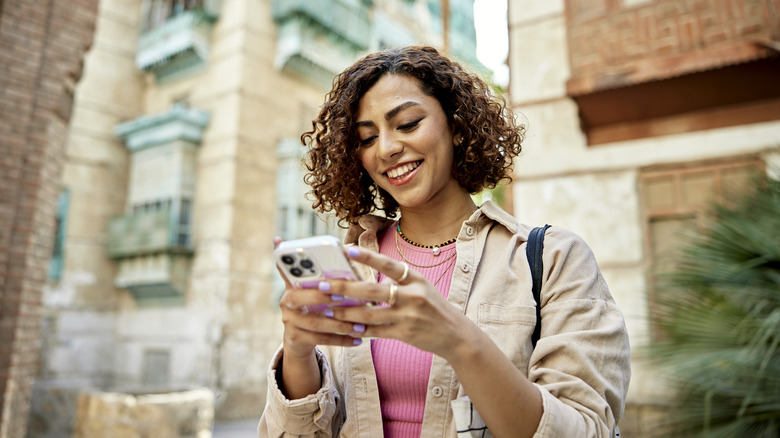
(288, 259)
(296, 272)
(307, 263)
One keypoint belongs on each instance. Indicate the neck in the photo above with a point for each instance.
(432, 223)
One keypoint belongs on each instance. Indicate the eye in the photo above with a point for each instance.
(409, 126)
(367, 141)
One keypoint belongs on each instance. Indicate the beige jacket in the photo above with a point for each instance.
(581, 363)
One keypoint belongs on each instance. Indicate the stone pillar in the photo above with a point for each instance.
(43, 43)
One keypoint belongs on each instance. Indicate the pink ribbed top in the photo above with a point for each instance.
(402, 370)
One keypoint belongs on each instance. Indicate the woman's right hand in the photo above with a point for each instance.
(308, 322)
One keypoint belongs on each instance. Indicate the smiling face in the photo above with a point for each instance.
(406, 143)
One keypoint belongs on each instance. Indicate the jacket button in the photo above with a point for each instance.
(437, 391)
(464, 267)
(469, 231)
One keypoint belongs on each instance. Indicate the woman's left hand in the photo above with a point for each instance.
(419, 315)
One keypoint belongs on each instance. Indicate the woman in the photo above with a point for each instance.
(409, 134)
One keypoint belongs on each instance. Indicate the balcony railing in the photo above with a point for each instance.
(348, 21)
(163, 228)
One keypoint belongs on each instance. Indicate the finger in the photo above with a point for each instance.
(323, 324)
(391, 268)
(357, 292)
(309, 299)
(316, 338)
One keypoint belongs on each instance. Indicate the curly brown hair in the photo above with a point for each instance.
(489, 137)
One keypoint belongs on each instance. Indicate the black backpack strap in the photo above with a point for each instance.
(533, 250)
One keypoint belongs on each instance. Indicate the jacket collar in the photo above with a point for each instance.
(364, 231)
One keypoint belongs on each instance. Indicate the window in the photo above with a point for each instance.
(156, 370)
(157, 12)
(58, 251)
(675, 199)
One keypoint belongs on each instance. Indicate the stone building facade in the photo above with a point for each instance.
(180, 163)
(639, 112)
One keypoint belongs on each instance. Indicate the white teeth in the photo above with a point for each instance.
(402, 170)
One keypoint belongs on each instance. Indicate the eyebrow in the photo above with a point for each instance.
(390, 114)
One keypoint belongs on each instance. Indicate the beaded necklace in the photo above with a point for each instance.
(450, 259)
(435, 249)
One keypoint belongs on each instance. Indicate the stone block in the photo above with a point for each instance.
(222, 76)
(554, 141)
(97, 148)
(591, 205)
(529, 10)
(179, 414)
(255, 187)
(628, 285)
(212, 221)
(88, 276)
(127, 10)
(539, 67)
(216, 149)
(52, 410)
(216, 182)
(254, 225)
(111, 79)
(118, 33)
(90, 210)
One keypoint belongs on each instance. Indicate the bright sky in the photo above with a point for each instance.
(492, 41)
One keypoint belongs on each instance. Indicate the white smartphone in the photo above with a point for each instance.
(305, 262)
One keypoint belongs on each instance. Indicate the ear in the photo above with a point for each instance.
(457, 139)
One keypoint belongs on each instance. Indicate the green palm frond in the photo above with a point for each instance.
(719, 313)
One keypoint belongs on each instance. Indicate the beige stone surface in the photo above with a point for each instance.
(213, 256)
(87, 277)
(96, 208)
(216, 149)
(255, 260)
(772, 160)
(628, 285)
(88, 282)
(539, 66)
(521, 11)
(213, 224)
(592, 205)
(112, 80)
(128, 11)
(216, 182)
(555, 145)
(184, 414)
(253, 226)
(115, 32)
(98, 149)
(95, 119)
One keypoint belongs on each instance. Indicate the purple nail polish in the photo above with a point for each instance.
(309, 284)
(360, 328)
(353, 251)
(337, 297)
(357, 341)
(324, 286)
(328, 313)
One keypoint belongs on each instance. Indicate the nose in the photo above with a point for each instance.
(389, 146)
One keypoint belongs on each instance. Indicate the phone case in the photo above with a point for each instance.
(315, 258)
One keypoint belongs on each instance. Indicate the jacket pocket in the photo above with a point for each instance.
(510, 328)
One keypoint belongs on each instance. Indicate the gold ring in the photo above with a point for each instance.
(393, 294)
(406, 273)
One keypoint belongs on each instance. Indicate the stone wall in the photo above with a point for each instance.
(41, 49)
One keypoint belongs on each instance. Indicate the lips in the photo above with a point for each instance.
(402, 170)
